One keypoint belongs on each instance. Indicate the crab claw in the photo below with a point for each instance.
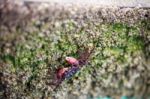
(61, 72)
(72, 61)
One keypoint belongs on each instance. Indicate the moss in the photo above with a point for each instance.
(39, 52)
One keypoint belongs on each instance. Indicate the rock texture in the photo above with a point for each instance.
(111, 79)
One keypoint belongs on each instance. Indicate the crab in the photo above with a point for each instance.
(75, 66)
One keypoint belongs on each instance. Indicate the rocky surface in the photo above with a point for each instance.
(109, 78)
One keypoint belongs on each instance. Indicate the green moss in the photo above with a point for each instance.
(115, 41)
(39, 52)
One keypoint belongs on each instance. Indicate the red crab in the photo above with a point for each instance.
(72, 61)
(61, 71)
(76, 64)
